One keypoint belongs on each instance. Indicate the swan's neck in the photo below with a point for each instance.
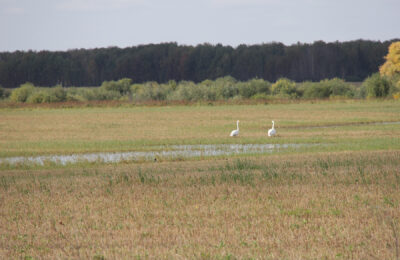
(273, 125)
(237, 124)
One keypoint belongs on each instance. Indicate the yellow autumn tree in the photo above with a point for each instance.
(391, 67)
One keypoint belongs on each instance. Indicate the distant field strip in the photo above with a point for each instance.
(40, 131)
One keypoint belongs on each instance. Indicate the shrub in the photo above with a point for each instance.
(246, 90)
(22, 93)
(284, 88)
(151, 91)
(172, 84)
(315, 90)
(227, 91)
(103, 94)
(360, 92)
(183, 91)
(47, 95)
(261, 86)
(206, 90)
(39, 97)
(261, 96)
(394, 84)
(75, 97)
(58, 94)
(123, 86)
(198, 92)
(338, 87)
(225, 88)
(75, 94)
(377, 85)
(327, 88)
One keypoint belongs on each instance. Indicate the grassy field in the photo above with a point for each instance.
(79, 130)
(339, 200)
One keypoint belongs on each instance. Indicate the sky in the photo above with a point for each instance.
(74, 24)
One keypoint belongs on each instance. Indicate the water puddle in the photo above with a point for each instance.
(160, 152)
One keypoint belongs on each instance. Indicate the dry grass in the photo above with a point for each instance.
(329, 205)
(121, 103)
(316, 204)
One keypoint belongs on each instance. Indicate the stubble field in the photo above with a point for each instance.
(336, 199)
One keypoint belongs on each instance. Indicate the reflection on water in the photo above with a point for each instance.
(169, 152)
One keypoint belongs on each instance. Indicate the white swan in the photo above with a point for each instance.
(235, 132)
(272, 131)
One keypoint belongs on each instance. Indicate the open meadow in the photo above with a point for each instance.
(337, 196)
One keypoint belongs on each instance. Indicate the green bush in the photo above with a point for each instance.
(58, 94)
(47, 95)
(284, 88)
(75, 94)
(209, 90)
(88, 94)
(337, 87)
(183, 91)
(210, 93)
(261, 86)
(377, 86)
(227, 92)
(150, 91)
(103, 94)
(123, 86)
(39, 97)
(359, 92)
(394, 84)
(22, 93)
(261, 96)
(75, 97)
(327, 88)
(225, 88)
(316, 90)
(246, 90)
(91, 94)
(198, 92)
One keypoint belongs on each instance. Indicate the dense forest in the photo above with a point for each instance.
(351, 61)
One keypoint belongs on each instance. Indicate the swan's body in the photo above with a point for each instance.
(235, 132)
(272, 131)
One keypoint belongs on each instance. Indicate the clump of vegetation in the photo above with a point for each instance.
(42, 95)
(377, 86)
(123, 86)
(328, 88)
(285, 88)
(150, 91)
(225, 88)
(22, 93)
(391, 69)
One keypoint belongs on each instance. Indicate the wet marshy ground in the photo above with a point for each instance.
(159, 152)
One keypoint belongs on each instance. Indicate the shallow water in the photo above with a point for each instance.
(160, 152)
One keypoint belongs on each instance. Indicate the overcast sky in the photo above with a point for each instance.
(71, 24)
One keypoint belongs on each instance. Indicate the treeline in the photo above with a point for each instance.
(226, 88)
(352, 61)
